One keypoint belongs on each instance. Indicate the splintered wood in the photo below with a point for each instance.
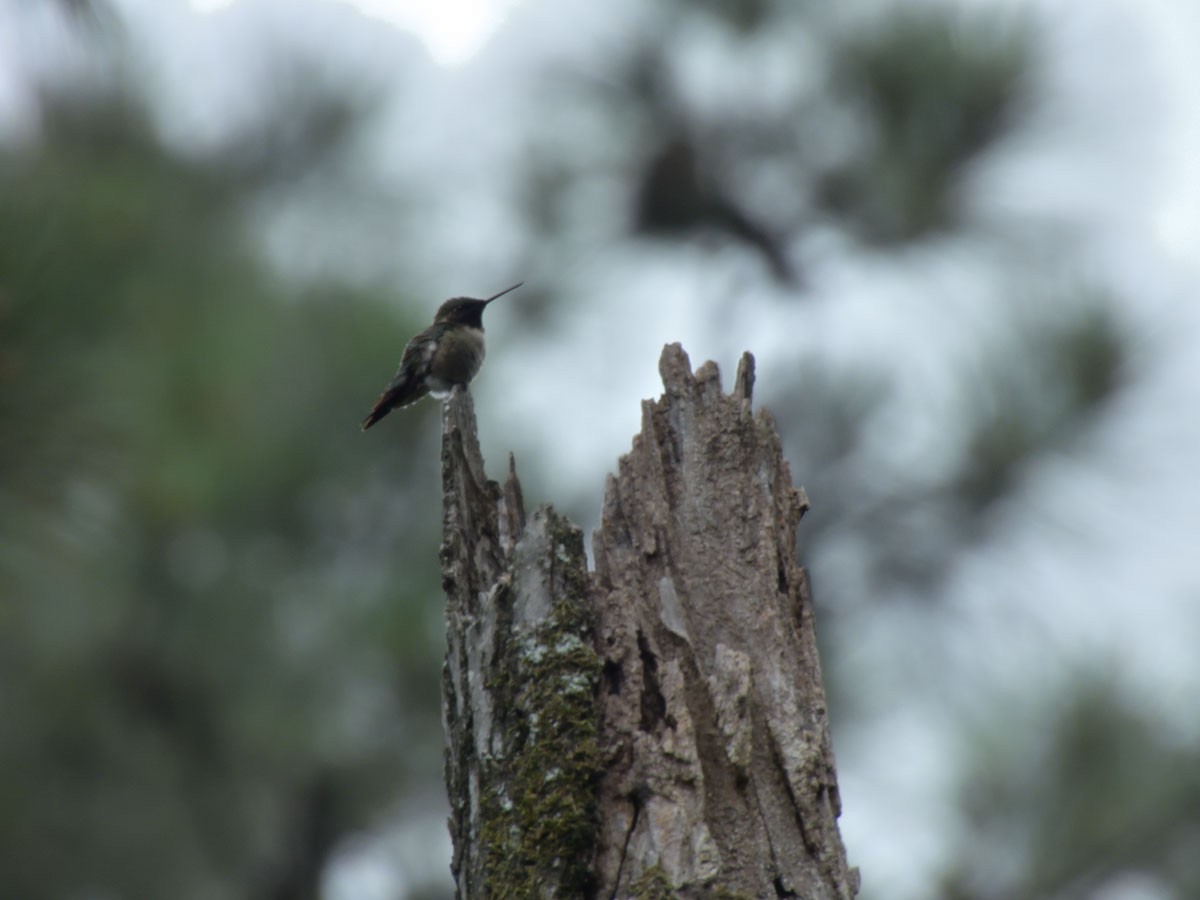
(656, 727)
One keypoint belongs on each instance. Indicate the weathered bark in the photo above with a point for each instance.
(656, 728)
(520, 683)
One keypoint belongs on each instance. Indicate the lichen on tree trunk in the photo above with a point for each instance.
(657, 727)
(520, 684)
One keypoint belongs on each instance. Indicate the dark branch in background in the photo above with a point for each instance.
(879, 148)
(678, 196)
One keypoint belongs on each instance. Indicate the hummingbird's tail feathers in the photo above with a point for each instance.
(393, 398)
(378, 411)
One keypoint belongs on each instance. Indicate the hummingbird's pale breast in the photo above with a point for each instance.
(457, 358)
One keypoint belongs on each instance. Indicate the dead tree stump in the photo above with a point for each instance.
(655, 728)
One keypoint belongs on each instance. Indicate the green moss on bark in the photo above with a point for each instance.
(539, 815)
(652, 884)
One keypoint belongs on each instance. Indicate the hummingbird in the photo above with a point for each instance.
(447, 353)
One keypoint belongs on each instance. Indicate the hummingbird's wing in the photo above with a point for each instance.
(410, 383)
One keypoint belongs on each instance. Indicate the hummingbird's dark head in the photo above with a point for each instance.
(467, 310)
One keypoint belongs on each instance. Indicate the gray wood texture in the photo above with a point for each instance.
(656, 727)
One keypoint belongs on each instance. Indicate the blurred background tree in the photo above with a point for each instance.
(222, 651)
(221, 620)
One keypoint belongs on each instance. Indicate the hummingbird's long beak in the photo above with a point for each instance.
(503, 292)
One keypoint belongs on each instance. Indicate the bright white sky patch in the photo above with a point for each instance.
(1178, 219)
(452, 30)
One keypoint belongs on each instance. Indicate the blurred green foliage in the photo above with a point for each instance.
(931, 90)
(1089, 790)
(217, 595)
